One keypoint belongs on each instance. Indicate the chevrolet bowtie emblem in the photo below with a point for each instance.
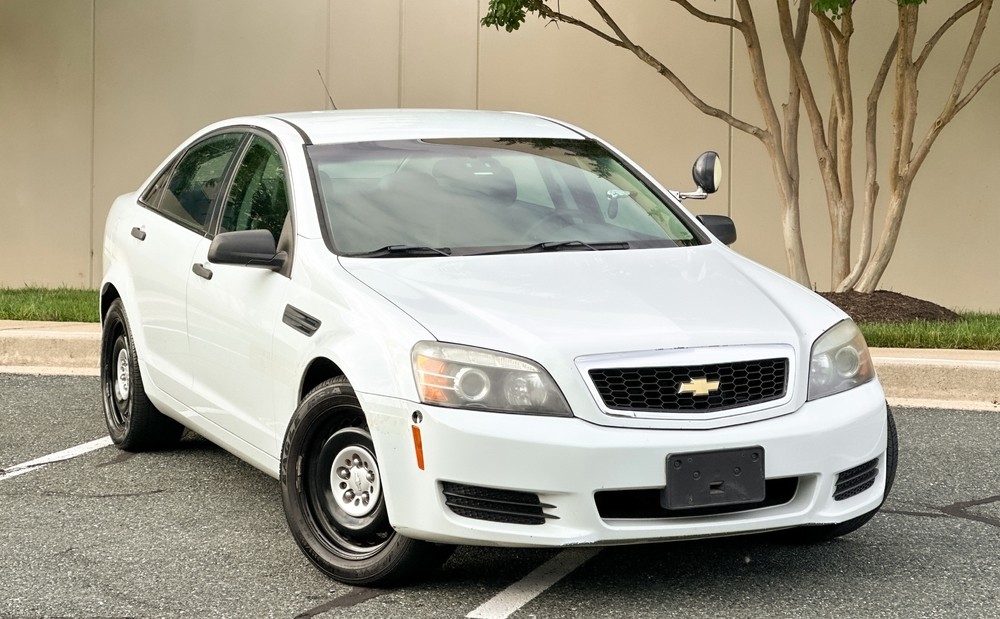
(698, 386)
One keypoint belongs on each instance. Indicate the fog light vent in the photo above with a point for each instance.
(856, 480)
(494, 505)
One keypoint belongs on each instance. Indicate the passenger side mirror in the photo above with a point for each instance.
(707, 174)
(251, 248)
(720, 226)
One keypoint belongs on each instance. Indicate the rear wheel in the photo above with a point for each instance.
(823, 533)
(133, 422)
(331, 489)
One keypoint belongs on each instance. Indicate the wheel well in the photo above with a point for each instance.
(319, 370)
(108, 296)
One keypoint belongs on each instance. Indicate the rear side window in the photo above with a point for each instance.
(258, 197)
(189, 193)
(151, 197)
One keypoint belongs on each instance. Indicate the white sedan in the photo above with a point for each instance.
(462, 327)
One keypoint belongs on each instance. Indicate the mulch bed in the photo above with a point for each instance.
(885, 306)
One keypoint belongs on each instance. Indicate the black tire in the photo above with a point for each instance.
(824, 533)
(343, 527)
(133, 422)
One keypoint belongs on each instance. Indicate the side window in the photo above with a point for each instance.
(151, 197)
(258, 198)
(196, 179)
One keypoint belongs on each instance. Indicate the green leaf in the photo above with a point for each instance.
(509, 13)
(835, 8)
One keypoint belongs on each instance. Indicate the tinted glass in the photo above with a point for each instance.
(480, 195)
(258, 198)
(151, 197)
(196, 180)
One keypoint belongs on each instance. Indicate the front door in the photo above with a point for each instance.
(232, 311)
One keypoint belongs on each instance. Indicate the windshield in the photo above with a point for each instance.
(480, 196)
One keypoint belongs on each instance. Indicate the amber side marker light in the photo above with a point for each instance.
(418, 447)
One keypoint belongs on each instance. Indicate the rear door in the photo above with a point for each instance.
(160, 242)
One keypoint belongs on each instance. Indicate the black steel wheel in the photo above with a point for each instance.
(331, 489)
(133, 422)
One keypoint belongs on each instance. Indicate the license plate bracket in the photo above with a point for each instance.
(714, 478)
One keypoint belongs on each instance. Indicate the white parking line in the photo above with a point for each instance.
(505, 603)
(59, 456)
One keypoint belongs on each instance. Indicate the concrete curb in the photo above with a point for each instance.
(962, 379)
(65, 345)
(967, 377)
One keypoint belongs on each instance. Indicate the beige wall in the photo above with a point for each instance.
(93, 94)
(46, 132)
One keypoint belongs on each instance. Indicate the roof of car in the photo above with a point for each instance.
(343, 126)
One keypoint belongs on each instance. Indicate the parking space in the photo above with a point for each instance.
(196, 532)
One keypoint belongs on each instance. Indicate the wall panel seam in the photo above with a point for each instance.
(93, 144)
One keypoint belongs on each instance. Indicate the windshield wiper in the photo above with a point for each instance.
(402, 250)
(562, 246)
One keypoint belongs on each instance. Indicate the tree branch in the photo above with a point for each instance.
(970, 52)
(708, 17)
(929, 46)
(625, 43)
(833, 70)
(820, 140)
(905, 102)
(975, 89)
(871, 169)
(695, 100)
(792, 108)
(955, 103)
(759, 72)
(548, 13)
(829, 26)
(611, 23)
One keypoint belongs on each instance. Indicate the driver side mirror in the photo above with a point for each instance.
(252, 248)
(720, 226)
(707, 175)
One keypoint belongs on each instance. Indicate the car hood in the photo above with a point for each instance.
(563, 305)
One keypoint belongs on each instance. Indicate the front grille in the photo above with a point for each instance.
(855, 481)
(510, 506)
(647, 504)
(659, 389)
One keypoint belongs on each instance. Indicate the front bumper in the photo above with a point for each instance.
(565, 462)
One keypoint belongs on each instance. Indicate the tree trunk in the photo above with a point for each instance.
(887, 243)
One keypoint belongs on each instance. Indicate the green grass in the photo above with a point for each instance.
(57, 305)
(974, 331)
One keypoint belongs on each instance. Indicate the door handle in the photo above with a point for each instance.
(200, 270)
(139, 234)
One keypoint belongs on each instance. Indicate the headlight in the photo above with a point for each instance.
(465, 377)
(840, 361)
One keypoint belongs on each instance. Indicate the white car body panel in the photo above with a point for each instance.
(231, 353)
(216, 356)
(567, 461)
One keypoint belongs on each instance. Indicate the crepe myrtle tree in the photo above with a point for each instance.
(831, 124)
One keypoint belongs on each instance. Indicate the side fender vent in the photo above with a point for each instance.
(300, 321)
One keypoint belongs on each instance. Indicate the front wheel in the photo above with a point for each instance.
(332, 493)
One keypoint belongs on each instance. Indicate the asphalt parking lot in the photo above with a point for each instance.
(195, 532)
